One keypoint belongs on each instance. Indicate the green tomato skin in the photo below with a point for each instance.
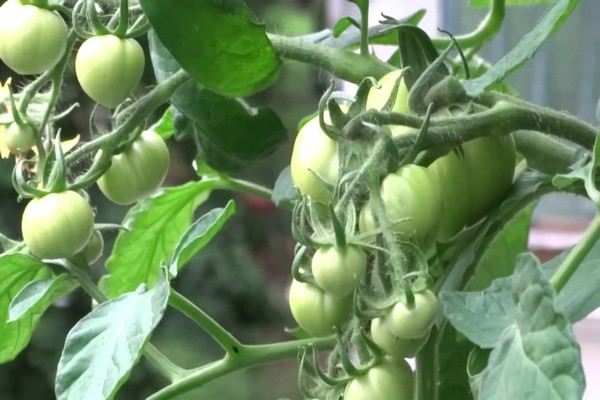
(392, 379)
(314, 151)
(109, 68)
(58, 225)
(18, 139)
(392, 344)
(415, 322)
(138, 171)
(337, 270)
(32, 39)
(316, 311)
(412, 201)
(379, 94)
(93, 249)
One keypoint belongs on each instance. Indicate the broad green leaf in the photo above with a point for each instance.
(230, 135)
(40, 293)
(417, 52)
(16, 271)
(220, 43)
(102, 348)
(164, 126)
(155, 226)
(525, 49)
(538, 356)
(199, 235)
(486, 3)
(284, 190)
(481, 316)
(342, 24)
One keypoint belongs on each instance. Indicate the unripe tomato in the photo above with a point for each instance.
(32, 39)
(379, 94)
(412, 201)
(316, 311)
(314, 151)
(414, 322)
(93, 249)
(19, 139)
(337, 270)
(58, 225)
(392, 344)
(138, 171)
(109, 68)
(392, 379)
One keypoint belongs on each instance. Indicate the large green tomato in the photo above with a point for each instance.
(93, 249)
(392, 344)
(109, 68)
(337, 270)
(18, 139)
(392, 379)
(314, 151)
(58, 225)
(138, 171)
(414, 322)
(316, 311)
(32, 39)
(412, 201)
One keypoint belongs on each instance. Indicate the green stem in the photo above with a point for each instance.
(248, 356)
(544, 153)
(123, 18)
(576, 255)
(226, 340)
(427, 369)
(344, 64)
(159, 361)
(364, 27)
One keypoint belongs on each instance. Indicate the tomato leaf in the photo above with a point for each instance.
(102, 348)
(155, 226)
(40, 293)
(486, 3)
(284, 190)
(538, 348)
(342, 24)
(525, 49)
(16, 272)
(230, 135)
(199, 235)
(220, 43)
(164, 126)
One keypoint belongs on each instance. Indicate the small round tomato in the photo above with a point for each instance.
(412, 202)
(32, 39)
(138, 171)
(414, 322)
(58, 225)
(316, 311)
(392, 379)
(19, 139)
(314, 151)
(93, 249)
(337, 270)
(109, 68)
(392, 344)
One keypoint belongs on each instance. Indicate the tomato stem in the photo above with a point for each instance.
(427, 369)
(576, 255)
(224, 339)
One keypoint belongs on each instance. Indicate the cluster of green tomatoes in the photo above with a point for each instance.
(422, 206)
(58, 222)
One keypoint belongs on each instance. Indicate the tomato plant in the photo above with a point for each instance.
(93, 249)
(393, 345)
(57, 225)
(136, 172)
(109, 68)
(19, 139)
(337, 270)
(32, 39)
(413, 322)
(391, 379)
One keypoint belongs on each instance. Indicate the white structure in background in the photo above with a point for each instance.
(588, 330)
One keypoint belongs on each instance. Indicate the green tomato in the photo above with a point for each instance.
(109, 68)
(316, 311)
(138, 171)
(412, 201)
(93, 249)
(414, 322)
(58, 225)
(337, 270)
(18, 139)
(314, 151)
(392, 379)
(392, 344)
(380, 94)
(32, 39)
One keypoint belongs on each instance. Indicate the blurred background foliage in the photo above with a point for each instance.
(241, 278)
